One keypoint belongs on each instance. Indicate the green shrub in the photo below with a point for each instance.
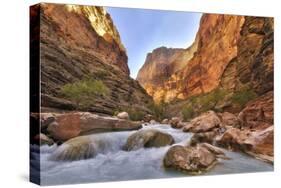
(187, 112)
(202, 103)
(84, 92)
(135, 114)
(101, 74)
(158, 110)
(243, 96)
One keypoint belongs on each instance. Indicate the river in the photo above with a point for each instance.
(114, 164)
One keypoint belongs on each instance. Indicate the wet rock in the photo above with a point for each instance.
(148, 138)
(215, 150)
(208, 137)
(181, 125)
(147, 118)
(233, 138)
(153, 121)
(123, 115)
(193, 160)
(205, 122)
(165, 121)
(174, 121)
(43, 139)
(187, 127)
(75, 149)
(261, 142)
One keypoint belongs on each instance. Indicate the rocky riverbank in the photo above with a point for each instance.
(138, 154)
(251, 132)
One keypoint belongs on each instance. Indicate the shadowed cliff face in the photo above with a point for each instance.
(82, 41)
(255, 54)
(230, 52)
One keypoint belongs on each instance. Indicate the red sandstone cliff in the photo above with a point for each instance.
(82, 41)
(231, 51)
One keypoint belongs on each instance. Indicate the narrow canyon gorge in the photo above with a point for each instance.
(188, 108)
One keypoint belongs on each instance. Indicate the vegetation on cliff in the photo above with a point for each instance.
(84, 92)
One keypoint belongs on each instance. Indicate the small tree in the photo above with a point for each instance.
(84, 92)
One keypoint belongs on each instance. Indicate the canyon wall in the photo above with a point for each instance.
(232, 53)
(160, 65)
(255, 54)
(78, 42)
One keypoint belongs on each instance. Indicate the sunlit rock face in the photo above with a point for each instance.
(215, 47)
(87, 27)
(100, 21)
(218, 36)
(229, 52)
(78, 42)
(159, 68)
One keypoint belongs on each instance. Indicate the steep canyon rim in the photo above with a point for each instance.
(216, 93)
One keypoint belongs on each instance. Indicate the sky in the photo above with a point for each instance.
(142, 30)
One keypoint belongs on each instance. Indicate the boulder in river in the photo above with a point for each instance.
(148, 138)
(257, 143)
(123, 115)
(190, 159)
(233, 138)
(207, 137)
(205, 122)
(262, 141)
(70, 125)
(147, 118)
(187, 127)
(174, 121)
(75, 149)
(43, 139)
(260, 144)
(180, 125)
(153, 121)
(165, 121)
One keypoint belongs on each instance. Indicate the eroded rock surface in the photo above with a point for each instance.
(78, 42)
(70, 125)
(194, 160)
(205, 122)
(148, 138)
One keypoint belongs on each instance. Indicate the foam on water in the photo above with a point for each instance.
(114, 164)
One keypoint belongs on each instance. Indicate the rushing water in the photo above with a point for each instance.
(114, 164)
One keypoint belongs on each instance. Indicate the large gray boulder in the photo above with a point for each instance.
(75, 149)
(193, 160)
(148, 138)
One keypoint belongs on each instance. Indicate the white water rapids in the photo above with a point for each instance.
(114, 164)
